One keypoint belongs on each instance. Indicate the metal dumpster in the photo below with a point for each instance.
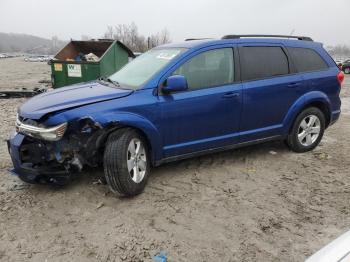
(82, 61)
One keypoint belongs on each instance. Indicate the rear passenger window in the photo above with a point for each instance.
(260, 62)
(306, 60)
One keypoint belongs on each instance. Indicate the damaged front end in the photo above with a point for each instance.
(54, 154)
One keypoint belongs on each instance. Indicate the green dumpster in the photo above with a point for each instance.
(82, 61)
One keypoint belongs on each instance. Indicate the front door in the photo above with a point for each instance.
(207, 115)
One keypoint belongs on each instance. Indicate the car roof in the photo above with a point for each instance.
(208, 42)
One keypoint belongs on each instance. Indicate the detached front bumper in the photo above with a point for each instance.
(34, 173)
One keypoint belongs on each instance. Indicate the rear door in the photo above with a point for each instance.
(269, 89)
(316, 72)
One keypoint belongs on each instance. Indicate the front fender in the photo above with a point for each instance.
(138, 122)
(300, 104)
(111, 118)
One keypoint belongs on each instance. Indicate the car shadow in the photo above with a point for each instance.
(95, 176)
(217, 158)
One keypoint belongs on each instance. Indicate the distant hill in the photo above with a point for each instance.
(23, 43)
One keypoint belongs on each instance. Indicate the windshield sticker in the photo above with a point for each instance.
(166, 56)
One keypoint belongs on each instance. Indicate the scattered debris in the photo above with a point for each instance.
(251, 170)
(99, 181)
(19, 187)
(19, 94)
(5, 208)
(101, 204)
(44, 81)
(322, 155)
(162, 257)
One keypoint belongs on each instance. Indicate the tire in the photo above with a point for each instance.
(303, 136)
(347, 70)
(126, 149)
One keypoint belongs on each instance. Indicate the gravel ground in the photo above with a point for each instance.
(17, 74)
(260, 203)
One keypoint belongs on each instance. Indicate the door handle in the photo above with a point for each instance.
(293, 85)
(231, 94)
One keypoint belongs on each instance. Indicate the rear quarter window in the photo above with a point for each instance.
(259, 62)
(307, 60)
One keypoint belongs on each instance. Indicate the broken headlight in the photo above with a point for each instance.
(54, 133)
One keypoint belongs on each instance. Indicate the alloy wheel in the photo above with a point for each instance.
(136, 160)
(309, 130)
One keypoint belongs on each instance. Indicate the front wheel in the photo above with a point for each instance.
(126, 162)
(307, 130)
(347, 70)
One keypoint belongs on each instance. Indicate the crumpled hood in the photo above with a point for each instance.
(68, 97)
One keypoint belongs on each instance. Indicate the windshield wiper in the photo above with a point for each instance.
(116, 83)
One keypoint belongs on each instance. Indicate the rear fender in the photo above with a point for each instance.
(300, 104)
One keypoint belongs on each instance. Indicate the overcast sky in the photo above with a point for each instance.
(326, 21)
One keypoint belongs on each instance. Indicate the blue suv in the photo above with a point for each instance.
(178, 101)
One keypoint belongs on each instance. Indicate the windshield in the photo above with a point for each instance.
(142, 68)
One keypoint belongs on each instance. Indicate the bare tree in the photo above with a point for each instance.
(339, 51)
(109, 32)
(164, 36)
(159, 38)
(129, 35)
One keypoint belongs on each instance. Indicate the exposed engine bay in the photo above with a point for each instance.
(56, 162)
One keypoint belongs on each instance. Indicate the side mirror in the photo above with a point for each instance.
(175, 83)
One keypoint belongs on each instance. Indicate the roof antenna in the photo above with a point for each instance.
(292, 32)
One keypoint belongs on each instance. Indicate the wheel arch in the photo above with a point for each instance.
(129, 120)
(312, 99)
(324, 109)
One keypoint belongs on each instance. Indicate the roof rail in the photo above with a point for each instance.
(304, 38)
(191, 39)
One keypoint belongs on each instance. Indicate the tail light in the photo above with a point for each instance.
(340, 77)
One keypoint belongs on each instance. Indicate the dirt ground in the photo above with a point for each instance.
(17, 74)
(260, 203)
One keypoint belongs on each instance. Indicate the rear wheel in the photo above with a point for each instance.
(126, 162)
(307, 130)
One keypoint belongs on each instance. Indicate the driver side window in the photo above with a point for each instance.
(208, 69)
